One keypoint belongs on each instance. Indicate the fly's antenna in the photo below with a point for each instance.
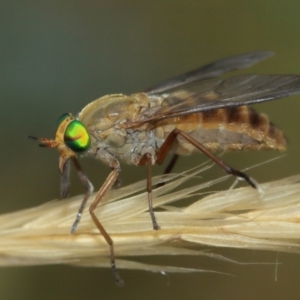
(45, 142)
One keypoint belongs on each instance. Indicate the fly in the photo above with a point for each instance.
(187, 113)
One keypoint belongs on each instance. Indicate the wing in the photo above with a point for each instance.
(211, 70)
(219, 93)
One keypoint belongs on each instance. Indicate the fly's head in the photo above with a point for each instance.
(72, 138)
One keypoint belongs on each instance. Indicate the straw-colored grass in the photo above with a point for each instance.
(240, 218)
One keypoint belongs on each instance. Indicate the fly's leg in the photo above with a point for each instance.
(118, 182)
(163, 151)
(65, 179)
(109, 182)
(147, 160)
(171, 164)
(89, 190)
(169, 168)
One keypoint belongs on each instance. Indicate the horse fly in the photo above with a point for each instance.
(191, 112)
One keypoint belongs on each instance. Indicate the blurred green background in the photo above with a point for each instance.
(57, 56)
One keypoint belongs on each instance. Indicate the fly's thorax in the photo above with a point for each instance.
(104, 118)
(110, 138)
(110, 110)
(135, 143)
(139, 142)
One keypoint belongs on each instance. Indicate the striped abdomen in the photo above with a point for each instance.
(233, 128)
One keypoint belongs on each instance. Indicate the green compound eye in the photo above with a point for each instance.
(77, 137)
(62, 118)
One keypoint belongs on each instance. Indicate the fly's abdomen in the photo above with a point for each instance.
(233, 128)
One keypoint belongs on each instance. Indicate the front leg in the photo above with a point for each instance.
(109, 182)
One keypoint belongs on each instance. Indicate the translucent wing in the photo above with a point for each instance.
(219, 93)
(211, 70)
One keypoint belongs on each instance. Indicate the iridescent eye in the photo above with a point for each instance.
(76, 137)
(62, 118)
